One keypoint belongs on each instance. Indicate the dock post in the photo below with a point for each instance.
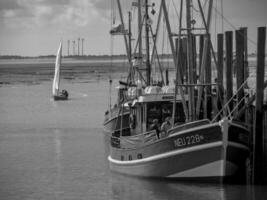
(265, 143)
(200, 53)
(208, 99)
(167, 76)
(220, 71)
(258, 158)
(200, 103)
(194, 59)
(245, 38)
(229, 61)
(179, 53)
(240, 68)
(184, 61)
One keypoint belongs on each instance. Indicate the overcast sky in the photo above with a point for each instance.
(35, 27)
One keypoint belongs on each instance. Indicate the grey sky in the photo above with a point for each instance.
(35, 27)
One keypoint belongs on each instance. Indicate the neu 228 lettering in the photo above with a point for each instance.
(188, 140)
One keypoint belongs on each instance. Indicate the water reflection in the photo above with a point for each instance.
(58, 165)
(123, 187)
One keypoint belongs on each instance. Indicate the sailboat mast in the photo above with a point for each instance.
(59, 63)
(148, 65)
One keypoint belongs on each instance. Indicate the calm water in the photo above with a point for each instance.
(54, 150)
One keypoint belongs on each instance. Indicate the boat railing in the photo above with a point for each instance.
(116, 111)
(134, 141)
(188, 125)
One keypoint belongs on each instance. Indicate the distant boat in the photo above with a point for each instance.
(57, 94)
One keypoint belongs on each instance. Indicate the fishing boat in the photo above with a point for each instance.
(57, 94)
(157, 130)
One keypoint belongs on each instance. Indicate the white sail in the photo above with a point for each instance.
(55, 88)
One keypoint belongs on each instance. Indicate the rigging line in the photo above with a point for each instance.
(229, 101)
(203, 7)
(215, 22)
(233, 26)
(167, 46)
(155, 48)
(222, 16)
(176, 12)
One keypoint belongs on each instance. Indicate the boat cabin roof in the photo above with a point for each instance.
(153, 94)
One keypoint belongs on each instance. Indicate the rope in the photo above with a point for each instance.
(229, 101)
(233, 26)
(222, 16)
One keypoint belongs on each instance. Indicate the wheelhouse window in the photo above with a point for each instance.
(161, 110)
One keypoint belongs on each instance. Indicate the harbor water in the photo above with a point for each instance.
(55, 151)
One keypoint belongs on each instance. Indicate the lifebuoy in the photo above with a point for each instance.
(132, 121)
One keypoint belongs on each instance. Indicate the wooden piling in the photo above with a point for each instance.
(229, 70)
(258, 158)
(167, 76)
(265, 144)
(194, 50)
(245, 38)
(179, 53)
(220, 93)
(208, 100)
(184, 60)
(239, 34)
(199, 108)
(200, 53)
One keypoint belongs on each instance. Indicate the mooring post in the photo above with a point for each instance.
(220, 88)
(258, 158)
(179, 53)
(240, 68)
(229, 63)
(200, 53)
(184, 61)
(208, 100)
(194, 59)
(167, 76)
(265, 143)
(245, 38)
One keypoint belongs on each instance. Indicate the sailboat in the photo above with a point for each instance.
(57, 94)
(150, 131)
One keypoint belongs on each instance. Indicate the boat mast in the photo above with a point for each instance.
(140, 31)
(177, 53)
(206, 47)
(131, 75)
(178, 81)
(124, 35)
(148, 66)
(191, 99)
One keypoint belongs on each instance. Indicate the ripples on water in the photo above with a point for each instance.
(54, 150)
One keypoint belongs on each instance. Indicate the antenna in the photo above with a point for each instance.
(78, 46)
(73, 45)
(82, 46)
(68, 47)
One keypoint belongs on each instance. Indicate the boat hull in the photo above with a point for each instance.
(204, 153)
(60, 98)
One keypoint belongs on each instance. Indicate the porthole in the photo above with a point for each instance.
(139, 156)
